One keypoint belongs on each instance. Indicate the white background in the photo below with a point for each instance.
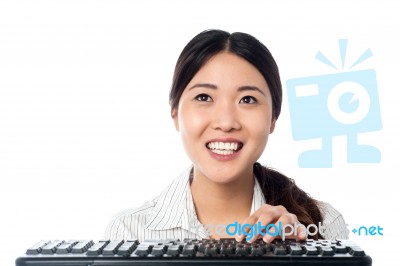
(85, 129)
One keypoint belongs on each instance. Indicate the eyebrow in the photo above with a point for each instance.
(214, 87)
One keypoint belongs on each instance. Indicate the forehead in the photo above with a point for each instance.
(229, 70)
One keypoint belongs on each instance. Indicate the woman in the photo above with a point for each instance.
(225, 99)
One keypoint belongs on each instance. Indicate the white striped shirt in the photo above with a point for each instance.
(172, 215)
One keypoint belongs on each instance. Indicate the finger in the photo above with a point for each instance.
(260, 227)
(284, 228)
(246, 225)
(301, 232)
(268, 213)
(273, 230)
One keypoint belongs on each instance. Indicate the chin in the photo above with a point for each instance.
(224, 176)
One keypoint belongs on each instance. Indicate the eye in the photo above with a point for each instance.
(203, 98)
(248, 100)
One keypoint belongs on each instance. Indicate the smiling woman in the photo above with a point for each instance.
(219, 110)
(225, 99)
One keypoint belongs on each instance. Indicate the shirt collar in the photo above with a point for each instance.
(175, 208)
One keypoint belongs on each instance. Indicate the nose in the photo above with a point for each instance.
(225, 117)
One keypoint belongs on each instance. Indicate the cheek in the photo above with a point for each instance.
(259, 127)
(192, 123)
(261, 137)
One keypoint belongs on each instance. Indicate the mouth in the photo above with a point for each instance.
(224, 148)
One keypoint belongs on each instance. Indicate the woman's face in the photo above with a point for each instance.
(224, 117)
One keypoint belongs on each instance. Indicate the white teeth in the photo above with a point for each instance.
(229, 147)
(223, 152)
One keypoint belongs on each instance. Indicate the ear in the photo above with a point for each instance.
(174, 114)
(271, 129)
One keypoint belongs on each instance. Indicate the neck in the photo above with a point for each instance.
(225, 203)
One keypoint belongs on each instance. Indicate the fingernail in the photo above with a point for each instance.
(267, 239)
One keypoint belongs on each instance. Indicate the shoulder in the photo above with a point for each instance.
(124, 224)
(328, 211)
(334, 225)
(136, 222)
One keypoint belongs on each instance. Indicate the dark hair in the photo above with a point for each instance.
(277, 188)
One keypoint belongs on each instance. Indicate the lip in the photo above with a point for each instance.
(221, 157)
(224, 140)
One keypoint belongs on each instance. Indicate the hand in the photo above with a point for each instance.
(277, 220)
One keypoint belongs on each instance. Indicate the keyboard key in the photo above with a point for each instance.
(211, 250)
(97, 248)
(82, 246)
(295, 250)
(66, 247)
(143, 250)
(327, 251)
(357, 251)
(159, 250)
(202, 247)
(341, 249)
(189, 240)
(280, 249)
(311, 250)
(112, 247)
(37, 248)
(257, 250)
(154, 242)
(128, 247)
(227, 249)
(189, 250)
(174, 250)
(242, 250)
(51, 247)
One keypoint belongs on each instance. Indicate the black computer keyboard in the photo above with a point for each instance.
(193, 252)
